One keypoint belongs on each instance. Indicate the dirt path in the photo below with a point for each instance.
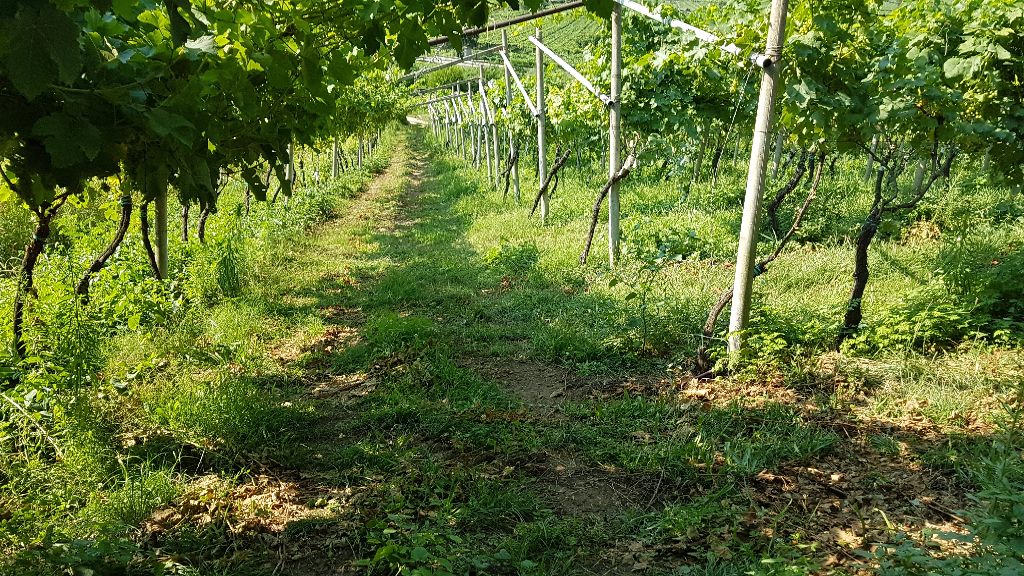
(418, 450)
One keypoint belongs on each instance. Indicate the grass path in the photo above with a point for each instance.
(423, 428)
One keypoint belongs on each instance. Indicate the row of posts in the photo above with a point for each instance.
(458, 124)
(747, 252)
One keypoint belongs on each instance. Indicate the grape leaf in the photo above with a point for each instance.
(167, 123)
(44, 48)
(68, 139)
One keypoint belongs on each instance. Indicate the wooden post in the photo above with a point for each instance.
(747, 254)
(359, 154)
(508, 100)
(470, 132)
(462, 124)
(289, 166)
(457, 124)
(542, 165)
(490, 132)
(161, 233)
(474, 128)
(613, 135)
(481, 144)
(466, 146)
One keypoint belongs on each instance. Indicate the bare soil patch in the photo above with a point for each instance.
(539, 386)
(572, 488)
(543, 387)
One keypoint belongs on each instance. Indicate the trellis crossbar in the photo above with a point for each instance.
(519, 83)
(703, 35)
(571, 71)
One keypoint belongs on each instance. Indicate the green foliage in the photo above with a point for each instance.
(15, 227)
(981, 267)
(927, 319)
(132, 498)
(216, 270)
(391, 333)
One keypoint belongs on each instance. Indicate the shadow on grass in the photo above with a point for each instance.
(433, 436)
(432, 467)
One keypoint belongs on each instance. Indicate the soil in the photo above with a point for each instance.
(539, 386)
(575, 489)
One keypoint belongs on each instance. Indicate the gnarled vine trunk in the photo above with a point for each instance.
(184, 219)
(861, 272)
(201, 227)
(150, 253)
(784, 192)
(82, 289)
(879, 208)
(26, 278)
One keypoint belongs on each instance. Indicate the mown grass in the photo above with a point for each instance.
(135, 395)
(422, 464)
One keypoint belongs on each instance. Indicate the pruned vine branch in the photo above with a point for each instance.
(784, 192)
(627, 166)
(82, 289)
(513, 159)
(703, 362)
(560, 161)
(144, 229)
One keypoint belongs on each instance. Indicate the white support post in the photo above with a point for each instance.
(761, 60)
(471, 123)
(483, 123)
(474, 126)
(443, 65)
(467, 142)
(780, 138)
(508, 100)
(289, 167)
(494, 140)
(458, 129)
(449, 121)
(335, 159)
(570, 70)
(868, 172)
(747, 254)
(161, 234)
(509, 69)
(614, 138)
(467, 132)
(918, 176)
(448, 126)
(542, 167)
